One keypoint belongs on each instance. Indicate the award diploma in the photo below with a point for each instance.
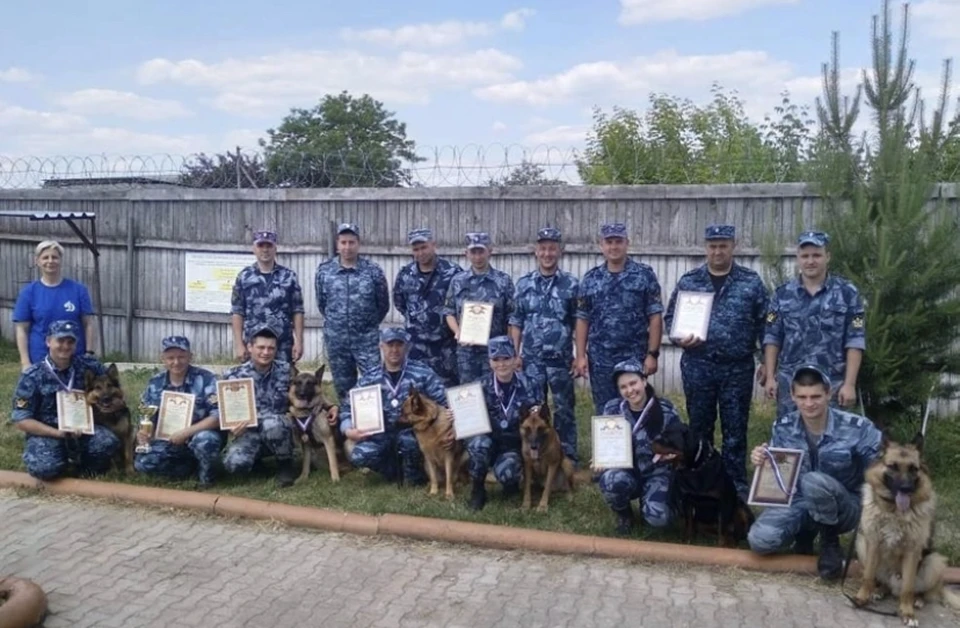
(692, 315)
(238, 403)
(366, 409)
(470, 417)
(176, 413)
(74, 414)
(775, 481)
(612, 443)
(475, 323)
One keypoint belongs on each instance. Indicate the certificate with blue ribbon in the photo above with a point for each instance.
(775, 480)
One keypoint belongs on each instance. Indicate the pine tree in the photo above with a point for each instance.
(890, 232)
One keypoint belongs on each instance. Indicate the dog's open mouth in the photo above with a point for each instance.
(664, 458)
(903, 501)
(535, 453)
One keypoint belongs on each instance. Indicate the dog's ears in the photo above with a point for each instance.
(884, 440)
(294, 371)
(319, 372)
(88, 378)
(918, 442)
(545, 413)
(113, 373)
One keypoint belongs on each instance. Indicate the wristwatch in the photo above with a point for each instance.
(654, 354)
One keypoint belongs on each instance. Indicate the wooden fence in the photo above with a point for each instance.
(146, 234)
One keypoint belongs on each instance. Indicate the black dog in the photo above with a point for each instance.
(701, 488)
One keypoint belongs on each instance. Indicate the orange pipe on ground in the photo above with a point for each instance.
(426, 529)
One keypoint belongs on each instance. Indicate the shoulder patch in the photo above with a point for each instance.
(771, 317)
(213, 400)
(857, 322)
(22, 403)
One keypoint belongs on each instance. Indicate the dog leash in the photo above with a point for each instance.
(843, 579)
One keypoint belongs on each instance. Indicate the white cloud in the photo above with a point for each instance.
(16, 120)
(272, 84)
(437, 34)
(561, 135)
(647, 11)
(16, 75)
(939, 19)
(665, 71)
(499, 126)
(108, 102)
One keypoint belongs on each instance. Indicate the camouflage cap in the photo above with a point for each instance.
(549, 234)
(628, 366)
(478, 240)
(64, 329)
(500, 347)
(720, 232)
(264, 236)
(260, 329)
(175, 342)
(348, 227)
(394, 334)
(419, 235)
(816, 238)
(811, 368)
(613, 230)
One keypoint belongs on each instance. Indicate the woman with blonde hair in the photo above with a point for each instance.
(51, 298)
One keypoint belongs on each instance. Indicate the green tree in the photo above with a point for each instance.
(676, 141)
(344, 141)
(227, 170)
(527, 173)
(890, 235)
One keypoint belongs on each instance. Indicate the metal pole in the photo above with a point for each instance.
(239, 157)
(131, 279)
(98, 290)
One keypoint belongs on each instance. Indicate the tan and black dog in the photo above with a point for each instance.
(895, 537)
(433, 434)
(308, 412)
(542, 456)
(105, 395)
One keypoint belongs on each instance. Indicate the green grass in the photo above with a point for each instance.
(585, 513)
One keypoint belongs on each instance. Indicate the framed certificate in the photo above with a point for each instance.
(469, 408)
(238, 403)
(475, 323)
(612, 443)
(775, 481)
(74, 414)
(366, 408)
(692, 315)
(176, 413)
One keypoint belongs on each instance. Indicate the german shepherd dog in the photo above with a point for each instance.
(701, 489)
(542, 455)
(895, 537)
(105, 395)
(308, 412)
(423, 415)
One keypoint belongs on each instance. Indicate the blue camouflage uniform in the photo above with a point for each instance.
(720, 371)
(646, 481)
(830, 483)
(273, 434)
(419, 297)
(353, 302)
(501, 449)
(545, 313)
(268, 299)
(494, 286)
(201, 452)
(380, 452)
(816, 329)
(35, 398)
(618, 307)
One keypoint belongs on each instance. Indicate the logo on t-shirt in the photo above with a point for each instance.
(69, 306)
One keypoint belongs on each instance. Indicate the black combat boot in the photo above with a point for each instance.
(478, 496)
(830, 563)
(625, 520)
(803, 544)
(509, 490)
(285, 473)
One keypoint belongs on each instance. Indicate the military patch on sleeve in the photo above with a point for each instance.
(581, 302)
(213, 400)
(22, 403)
(858, 322)
(772, 317)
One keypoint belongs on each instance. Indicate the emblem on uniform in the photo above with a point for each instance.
(772, 317)
(857, 322)
(212, 400)
(22, 403)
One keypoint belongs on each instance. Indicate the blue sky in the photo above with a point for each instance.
(179, 77)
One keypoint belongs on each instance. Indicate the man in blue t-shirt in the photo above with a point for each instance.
(39, 304)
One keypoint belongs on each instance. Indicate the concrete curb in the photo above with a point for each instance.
(426, 529)
(25, 606)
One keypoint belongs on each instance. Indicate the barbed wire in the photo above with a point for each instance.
(471, 165)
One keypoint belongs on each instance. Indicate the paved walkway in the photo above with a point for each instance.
(117, 566)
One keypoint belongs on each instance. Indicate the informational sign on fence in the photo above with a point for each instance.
(209, 279)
